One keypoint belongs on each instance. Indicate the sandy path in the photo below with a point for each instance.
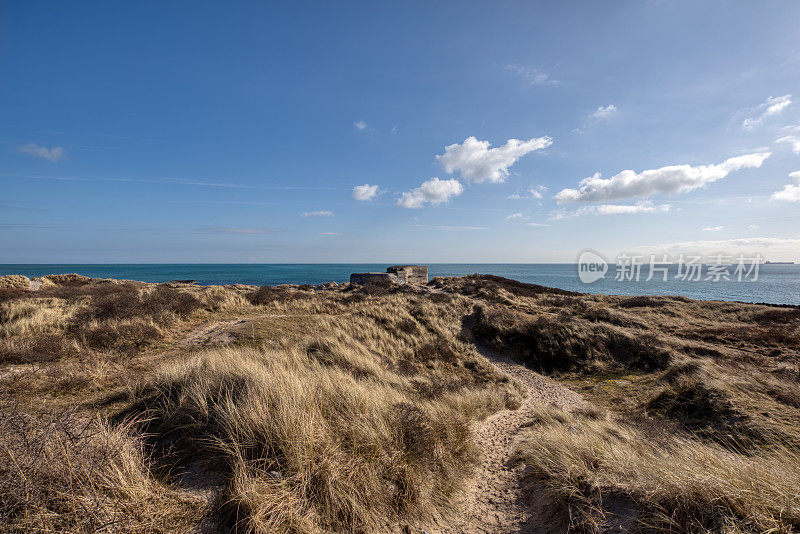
(224, 332)
(493, 499)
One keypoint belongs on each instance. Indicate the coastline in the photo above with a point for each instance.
(777, 284)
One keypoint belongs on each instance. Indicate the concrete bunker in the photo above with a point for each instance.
(399, 274)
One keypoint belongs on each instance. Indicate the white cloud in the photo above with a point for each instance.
(535, 191)
(713, 228)
(538, 191)
(612, 209)
(360, 125)
(532, 75)
(604, 112)
(365, 192)
(330, 233)
(50, 154)
(790, 192)
(433, 191)
(320, 213)
(792, 140)
(752, 227)
(478, 163)
(665, 180)
(773, 106)
(522, 217)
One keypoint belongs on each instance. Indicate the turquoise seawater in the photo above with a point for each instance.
(778, 284)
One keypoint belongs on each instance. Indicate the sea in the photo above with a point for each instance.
(774, 283)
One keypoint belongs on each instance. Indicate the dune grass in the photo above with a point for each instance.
(348, 409)
(598, 472)
(64, 472)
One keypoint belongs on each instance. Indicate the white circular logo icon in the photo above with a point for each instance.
(591, 266)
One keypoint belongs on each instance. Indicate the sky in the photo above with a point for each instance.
(502, 131)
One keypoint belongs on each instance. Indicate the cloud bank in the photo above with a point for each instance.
(320, 213)
(476, 162)
(729, 245)
(665, 180)
(612, 209)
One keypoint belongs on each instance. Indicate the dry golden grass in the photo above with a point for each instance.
(360, 401)
(349, 448)
(348, 409)
(63, 472)
(14, 281)
(597, 472)
(362, 421)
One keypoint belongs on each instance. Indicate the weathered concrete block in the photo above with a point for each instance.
(410, 274)
(366, 278)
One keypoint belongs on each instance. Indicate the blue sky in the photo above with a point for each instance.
(211, 132)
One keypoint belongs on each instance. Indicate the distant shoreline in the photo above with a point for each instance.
(778, 285)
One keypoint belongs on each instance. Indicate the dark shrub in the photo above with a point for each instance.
(124, 301)
(679, 370)
(164, 300)
(117, 302)
(407, 326)
(605, 315)
(643, 302)
(487, 287)
(701, 408)
(267, 294)
(436, 350)
(120, 337)
(778, 315)
(565, 343)
(440, 298)
(330, 357)
(11, 294)
(40, 349)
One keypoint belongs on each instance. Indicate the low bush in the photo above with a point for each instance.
(565, 343)
(643, 302)
(268, 294)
